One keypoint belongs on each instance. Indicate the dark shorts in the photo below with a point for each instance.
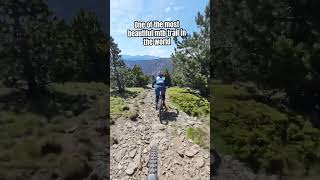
(159, 89)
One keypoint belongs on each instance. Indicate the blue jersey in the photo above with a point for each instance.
(160, 81)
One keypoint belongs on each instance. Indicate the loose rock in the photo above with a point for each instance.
(131, 168)
(199, 162)
(132, 153)
(120, 154)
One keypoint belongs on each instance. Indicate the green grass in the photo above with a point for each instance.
(228, 109)
(78, 88)
(31, 153)
(119, 103)
(19, 125)
(198, 136)
(135, 89)
(218, 141)
(258, 134)
(133, 114)
(23, 137)
(189, 102)
(118, 106)
(31, 140)
(73, 167)
(226, 96)
(129, 93)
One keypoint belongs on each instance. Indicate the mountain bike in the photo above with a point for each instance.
(153, 164)
(160, 107)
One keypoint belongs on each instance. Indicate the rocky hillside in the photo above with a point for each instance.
(151, 67)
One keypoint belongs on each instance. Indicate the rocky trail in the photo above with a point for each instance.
(178, 156)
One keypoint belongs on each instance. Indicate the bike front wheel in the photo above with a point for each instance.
(153, 164)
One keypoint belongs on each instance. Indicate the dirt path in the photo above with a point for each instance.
(178, 158)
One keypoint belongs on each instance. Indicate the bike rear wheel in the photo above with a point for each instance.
(160, 109)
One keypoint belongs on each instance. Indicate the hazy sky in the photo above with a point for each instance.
(123, 13)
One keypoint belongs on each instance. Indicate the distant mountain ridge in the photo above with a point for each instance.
(138, 57)
(151, 66)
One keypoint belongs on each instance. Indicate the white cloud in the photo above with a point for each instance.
(178, 8)
(123, 14)
(168, 9)
(160, 51)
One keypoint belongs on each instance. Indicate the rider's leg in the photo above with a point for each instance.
(163, 94)
(157, 99)
(164, 98)
(157, 91)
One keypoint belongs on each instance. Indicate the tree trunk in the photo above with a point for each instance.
(28, 71)
(120, 89)
(29, 74)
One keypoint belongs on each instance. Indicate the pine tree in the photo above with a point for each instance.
(93, 41)
(275, 45)
(26, 33)
(191, 59)
(168, 77)
(139, 78)
(117, 66)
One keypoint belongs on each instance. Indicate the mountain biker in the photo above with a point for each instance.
(161, 83)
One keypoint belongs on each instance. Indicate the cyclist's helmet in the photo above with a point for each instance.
(160, 73)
